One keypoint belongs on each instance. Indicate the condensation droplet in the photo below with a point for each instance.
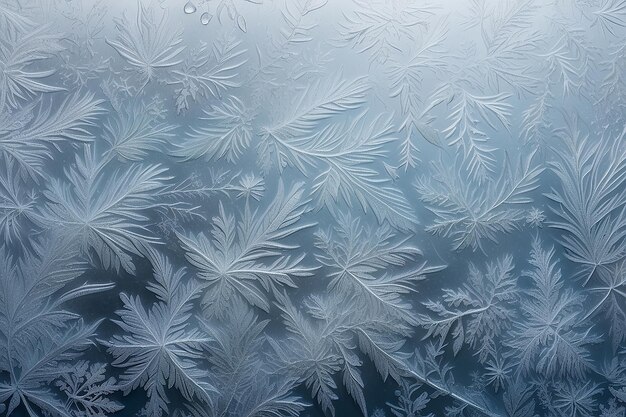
(189, 8)
(205, 18)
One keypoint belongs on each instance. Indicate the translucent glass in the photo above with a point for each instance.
(281, 208)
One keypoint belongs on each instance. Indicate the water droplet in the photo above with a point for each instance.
(205, 18)
(189, 8)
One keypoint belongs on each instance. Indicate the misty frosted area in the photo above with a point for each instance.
(316, 208)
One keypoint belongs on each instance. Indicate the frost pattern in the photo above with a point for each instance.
(257, 208)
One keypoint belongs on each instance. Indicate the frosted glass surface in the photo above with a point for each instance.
(316, 208)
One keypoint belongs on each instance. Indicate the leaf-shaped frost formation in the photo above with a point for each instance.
(226, 131)
(612, 16)
(160, 347)
(249, 258)
(30, 136)
(319, 102)
(471, 115)
(246, 385)
(550, 340)
(316, 350)
(133, 132)
(469, 212)
(343, 153)
(19, 53)
(209, 72)
(479, 311)
(104, 210)
(37, 336)
(591, 202)
(371, 262)
(88, 389)
(379, 27)
(17, 205)
(147, 44)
